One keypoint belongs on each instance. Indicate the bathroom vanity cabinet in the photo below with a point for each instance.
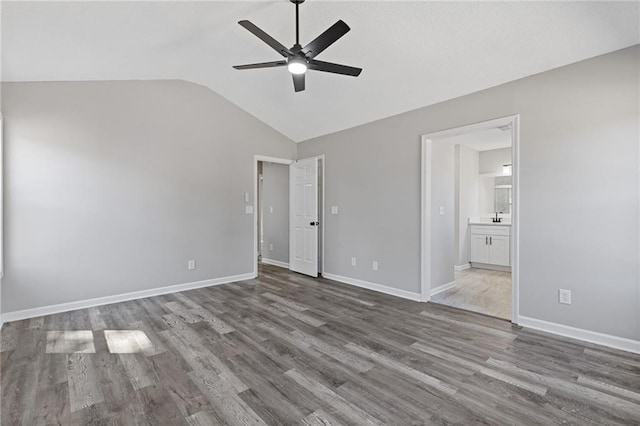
(490, 244)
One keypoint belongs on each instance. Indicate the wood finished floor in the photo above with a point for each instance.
(479, 290)
(285, 349)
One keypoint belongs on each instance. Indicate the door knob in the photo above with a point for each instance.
(314, 223)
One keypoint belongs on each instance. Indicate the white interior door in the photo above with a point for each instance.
(303, 222)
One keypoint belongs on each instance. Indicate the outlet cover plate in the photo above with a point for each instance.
(564, 296)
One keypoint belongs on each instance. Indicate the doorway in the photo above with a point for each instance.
(470, 218)
(273, 214)
(289, 220)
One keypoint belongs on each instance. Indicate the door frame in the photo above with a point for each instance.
(256, 159)
(426, 181)
(321, 209)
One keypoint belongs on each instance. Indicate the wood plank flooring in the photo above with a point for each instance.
(479, 290)
(285, 349)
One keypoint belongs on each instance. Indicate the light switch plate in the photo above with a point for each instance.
(248, 209)
(270, 209)
(246, 197)
(441, 211)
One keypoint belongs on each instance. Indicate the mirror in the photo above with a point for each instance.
(502, 194)
(495, 195)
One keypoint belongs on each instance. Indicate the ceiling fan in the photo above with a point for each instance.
(299, 59)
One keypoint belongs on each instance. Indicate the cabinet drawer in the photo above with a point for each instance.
(490, 230)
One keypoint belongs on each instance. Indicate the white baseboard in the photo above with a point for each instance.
(98, 301)
(275, 263)
(373, 286)
(615, 342)
(491, 267)
(461, 267)
(443, 287)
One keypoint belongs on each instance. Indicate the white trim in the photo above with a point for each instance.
(267, 159)
(464, 267)
(515, 219)
(375, 287)
(425, 225)
(275, 263)
(581, 334)
(443, 287)
(425, 243)
(491, 267)
(106, 300)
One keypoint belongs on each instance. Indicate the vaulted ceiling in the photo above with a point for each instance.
(413, 53)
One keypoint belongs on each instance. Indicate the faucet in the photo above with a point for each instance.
(497, 219)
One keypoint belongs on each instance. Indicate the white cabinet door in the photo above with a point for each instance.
(303, 232)
(499, 250)
(479, 249)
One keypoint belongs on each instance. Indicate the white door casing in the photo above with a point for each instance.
(303, 216)
(426, 182)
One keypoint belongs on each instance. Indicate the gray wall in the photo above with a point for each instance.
(467, 198)
(492, 161)
(111, 187)
(275, 196)
(443, 243)
(579, 168)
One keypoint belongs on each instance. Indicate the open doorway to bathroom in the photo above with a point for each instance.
(471, 220)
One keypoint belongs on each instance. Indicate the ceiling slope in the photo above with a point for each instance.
(413, 54)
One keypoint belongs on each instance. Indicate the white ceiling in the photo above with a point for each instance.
(485, 140)
(413, 53)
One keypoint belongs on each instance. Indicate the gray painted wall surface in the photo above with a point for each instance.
(275, 194)
(492, 161)
(443, 243)
(467, 198)
(579, 166)
(111, 187)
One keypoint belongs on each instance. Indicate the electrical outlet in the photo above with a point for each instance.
(191, 264)
(353, 261)
(248, 209)
(441, 211)
(375, 265)
(564, 296)
(334, 209)
(270, 247)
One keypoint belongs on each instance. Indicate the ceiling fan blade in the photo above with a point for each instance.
(326, 39)
(298, 82)
(261, 65)
(334, 68)
(275, 45)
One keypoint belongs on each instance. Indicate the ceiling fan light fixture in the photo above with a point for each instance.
(298, 58)
(297, 66)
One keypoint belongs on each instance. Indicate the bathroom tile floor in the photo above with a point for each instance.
(479, 290)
